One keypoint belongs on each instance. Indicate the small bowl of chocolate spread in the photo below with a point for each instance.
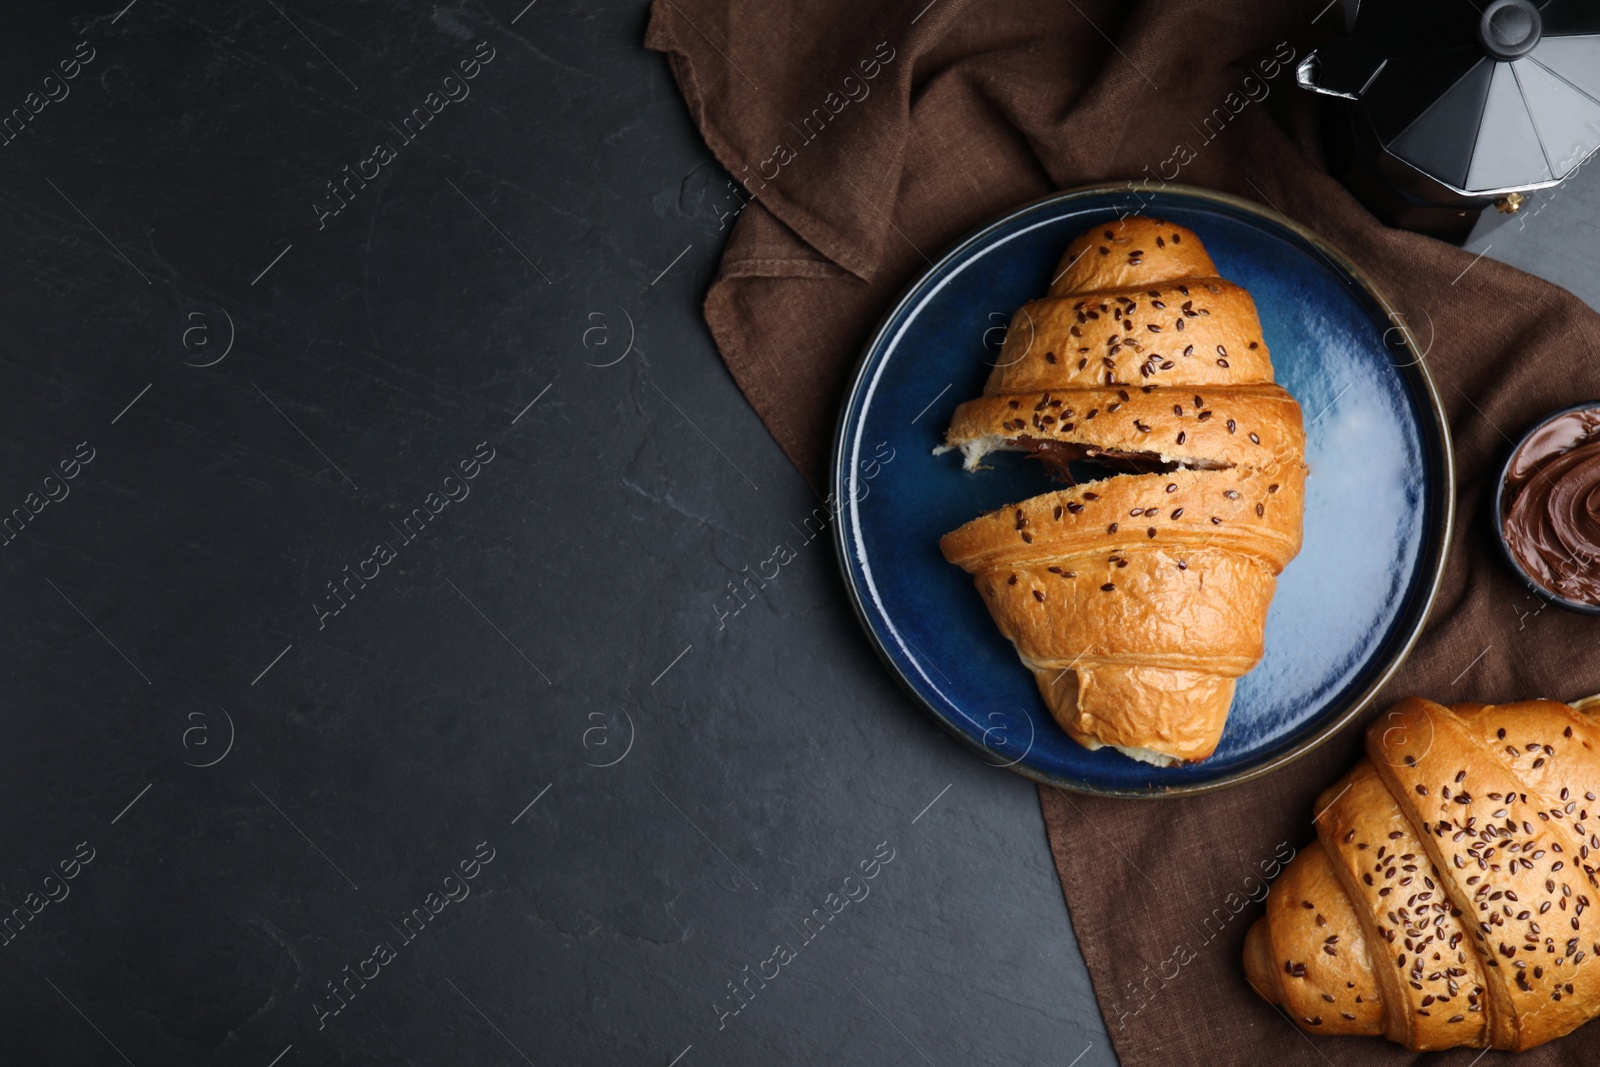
(1547, 508)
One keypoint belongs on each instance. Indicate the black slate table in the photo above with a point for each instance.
(372, 495)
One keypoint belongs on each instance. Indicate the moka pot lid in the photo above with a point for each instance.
(1484, 100)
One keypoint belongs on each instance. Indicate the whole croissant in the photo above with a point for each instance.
(1447, 898)
(1138, 599)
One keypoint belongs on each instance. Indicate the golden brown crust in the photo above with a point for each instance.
(1198, 331)
(1158, 635)
(1137, 249)
(1464, 844)
(1432, 985)
(1309, 953)
(1154, 614)
(1569, 765)
(1139, 599)
(1256, 513)
(1515, 861)
(1140, 710)
(1251, 426)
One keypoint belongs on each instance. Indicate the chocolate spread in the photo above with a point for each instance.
(1058, 457)
(1551, 506)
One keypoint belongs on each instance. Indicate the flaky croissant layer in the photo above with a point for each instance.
(1138, 599)
(1449, 897)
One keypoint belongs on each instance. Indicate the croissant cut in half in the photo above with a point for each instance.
(1139, 598)
(1449, 897)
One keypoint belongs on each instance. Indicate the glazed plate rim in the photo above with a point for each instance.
(1435, 544)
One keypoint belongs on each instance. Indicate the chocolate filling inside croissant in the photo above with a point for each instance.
(1096, 464)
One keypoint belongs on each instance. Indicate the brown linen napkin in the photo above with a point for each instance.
(869, 137)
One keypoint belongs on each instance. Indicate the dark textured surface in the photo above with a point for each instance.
(517, 639)
(573, 611)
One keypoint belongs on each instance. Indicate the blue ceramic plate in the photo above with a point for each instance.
(1378, 501)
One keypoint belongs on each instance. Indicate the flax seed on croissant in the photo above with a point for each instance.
(1137, 599)
(1448, 898)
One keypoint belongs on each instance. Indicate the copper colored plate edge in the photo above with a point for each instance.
(1438, 545)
